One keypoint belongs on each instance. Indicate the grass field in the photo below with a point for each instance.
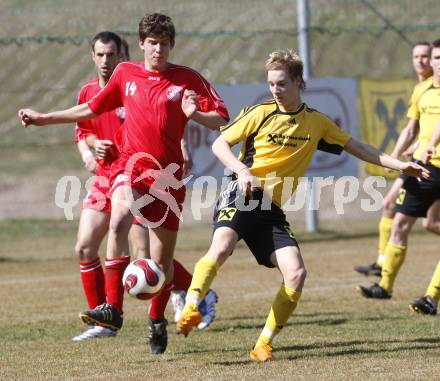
(334, 334)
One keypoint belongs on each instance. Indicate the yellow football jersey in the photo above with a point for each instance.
(424, 106)
(278, 146)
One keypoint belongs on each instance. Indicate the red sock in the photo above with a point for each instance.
(182, 278)
(114, 269)
(92, 278)
(159, 303)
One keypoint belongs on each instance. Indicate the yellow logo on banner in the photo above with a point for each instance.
(226, 214)
(384, 106)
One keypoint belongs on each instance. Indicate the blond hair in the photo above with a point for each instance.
(287, 60)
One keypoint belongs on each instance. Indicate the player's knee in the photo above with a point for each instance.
(430, 225)
(400, 231)
(296, 277)
(400, 226)
(389, 207)
(83, 252)
(220, 251)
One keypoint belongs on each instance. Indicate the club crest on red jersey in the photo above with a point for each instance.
(120, 112)
(174, 93)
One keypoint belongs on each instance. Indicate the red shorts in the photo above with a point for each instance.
(97, 197)
(162, 192)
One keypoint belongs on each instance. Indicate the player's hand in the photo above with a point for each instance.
(246, 182)
(190, 103)
(101, 147)
(415, 170)
(28, 117)
(91, 164)
(428, 153)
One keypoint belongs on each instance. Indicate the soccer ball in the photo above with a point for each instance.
(143, 279)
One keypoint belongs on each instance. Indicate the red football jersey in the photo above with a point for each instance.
(154, 118)
(106, 126)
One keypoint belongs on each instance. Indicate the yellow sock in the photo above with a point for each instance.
(394, 257)
(385, 226)
(434, 287)
(282, 307)
(204, 273)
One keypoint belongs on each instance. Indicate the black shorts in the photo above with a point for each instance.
(416, 197)
(264, 228)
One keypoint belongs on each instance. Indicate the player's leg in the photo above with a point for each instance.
(386, 222)
(140, 241)
(230, 222)
(395, 250)
(289, 262)
(428, 304)
(223, 243)
(162, 244)
(118, 257)
(385, 225)
(395, 253)
(415, 198)
(181, 282)
(93, 226)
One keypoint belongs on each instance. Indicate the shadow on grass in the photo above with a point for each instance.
(405, 346)
(199, 351)
(244, 326)
(233, 363)
(8, 259)
(294, 316)
(332, 349)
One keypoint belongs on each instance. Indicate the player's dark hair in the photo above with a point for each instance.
(435, 44)
(156, 24)
(106, 37)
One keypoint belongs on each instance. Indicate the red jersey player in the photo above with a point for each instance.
(95, 215)
(104, 134)
(159, 98)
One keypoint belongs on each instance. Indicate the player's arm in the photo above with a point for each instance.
(372, 155)
(210, 119)
(190, 106)
(187, 159)
(88, 158)
(406, 138)
(100, 146)
(246, 181)
(432, 145)
(73, 114)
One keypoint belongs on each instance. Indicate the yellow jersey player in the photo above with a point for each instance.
(415, 197)
(279, 140)
(427, 305)
(421, 53)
